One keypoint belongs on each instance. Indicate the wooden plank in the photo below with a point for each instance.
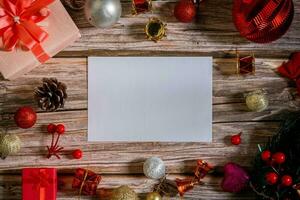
(213, 33)
(10, 187)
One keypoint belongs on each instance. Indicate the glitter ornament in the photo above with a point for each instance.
(185, 11)
(154, 168)
(124, 192)
(257, 100)
(103, 13)
(153, 196)
(9, 144)
(25, 117)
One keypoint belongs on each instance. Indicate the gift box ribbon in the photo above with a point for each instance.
(40, 180)
(18, 25)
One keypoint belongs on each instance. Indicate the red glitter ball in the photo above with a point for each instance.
(185, 11)
(25, 117)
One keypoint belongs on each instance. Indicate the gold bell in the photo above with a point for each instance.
(184, 185)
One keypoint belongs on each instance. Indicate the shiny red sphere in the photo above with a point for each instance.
(51, 128)
(185, 11)
(236, 139)
(25, 117)
(266, 155)
(278, 158)
(60, 129)
(271, 178)
(286, 180)
(77, 154)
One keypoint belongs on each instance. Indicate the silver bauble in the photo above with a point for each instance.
(154, 168)
(103, 13)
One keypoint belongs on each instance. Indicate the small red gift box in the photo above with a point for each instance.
(39, 184)
(86, 181)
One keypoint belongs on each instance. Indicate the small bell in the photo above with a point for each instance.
(202, 169)
(184, 185)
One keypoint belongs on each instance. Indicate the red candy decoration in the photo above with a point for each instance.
(266, 155)
(185, 11)
(236, 139)
(77, 154)
(60, 129)
(278, 158)
(271, 178)
(286, 180)
(51, 128)
(25, 117)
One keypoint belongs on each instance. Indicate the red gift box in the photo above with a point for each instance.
(39, 184)
(86, 181)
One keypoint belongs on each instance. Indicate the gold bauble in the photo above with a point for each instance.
(257, 101)
(124, 193)
(9, 144)
(153, 196)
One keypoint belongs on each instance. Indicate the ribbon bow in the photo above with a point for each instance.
(18, 25)
(291, 69)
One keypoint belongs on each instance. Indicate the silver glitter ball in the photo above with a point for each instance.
(154, 168)
(103, 13)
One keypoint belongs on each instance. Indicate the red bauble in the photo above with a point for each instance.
(271, 178)
(185, 11)
(25, 117)
(77, 154)
(51, 128)
(278, 158)
(286, 180)
(236, 139)
(60, 129)
(266, 155)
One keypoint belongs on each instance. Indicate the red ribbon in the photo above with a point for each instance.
(291, 69)
(18, 25)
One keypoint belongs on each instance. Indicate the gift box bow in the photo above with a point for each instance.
(19, 25)
(86, 181)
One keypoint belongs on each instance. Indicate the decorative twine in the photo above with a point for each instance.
(82, 184)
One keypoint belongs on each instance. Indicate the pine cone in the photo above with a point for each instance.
(51, 95)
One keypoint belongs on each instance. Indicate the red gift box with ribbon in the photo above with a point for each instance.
(32, 31)
(39, 184)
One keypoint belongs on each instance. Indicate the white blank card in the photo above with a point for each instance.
(150, 99)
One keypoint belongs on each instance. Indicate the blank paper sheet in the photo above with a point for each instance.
(150, 99)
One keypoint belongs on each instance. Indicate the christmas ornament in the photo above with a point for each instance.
(9, 144)
(54, 149)
(235, 178)
(166, 187)
(202, 169)
(271, 178)
(278, 158)
(141, 6)
(236, 139)
(77, 154)
(286, 180)
(185, 11)
(263, 21)
(51, 95)
(257, 100)
(124, 193)
(154, 168)
(103, 13)
(291, 69)
(155, 29)
(266, 155)
(153, 196)
(25, 117)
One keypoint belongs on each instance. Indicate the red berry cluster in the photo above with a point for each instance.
(272, 177)
(54, 149)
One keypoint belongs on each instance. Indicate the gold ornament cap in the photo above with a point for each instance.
(155, 29)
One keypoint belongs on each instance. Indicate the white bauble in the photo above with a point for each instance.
(154, 168)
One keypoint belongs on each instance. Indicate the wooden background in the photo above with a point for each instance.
(213, 34)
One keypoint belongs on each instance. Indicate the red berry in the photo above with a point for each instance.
(266, 155)
(236, 139)
(51, 128)
(60, 129)
(286, 180)
(25, 117)
(77, 154)
(185, 11)
(271, 178)
(278, 158)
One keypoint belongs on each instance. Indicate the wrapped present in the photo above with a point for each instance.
(86, 181)
(31, 32)
(39, 184)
